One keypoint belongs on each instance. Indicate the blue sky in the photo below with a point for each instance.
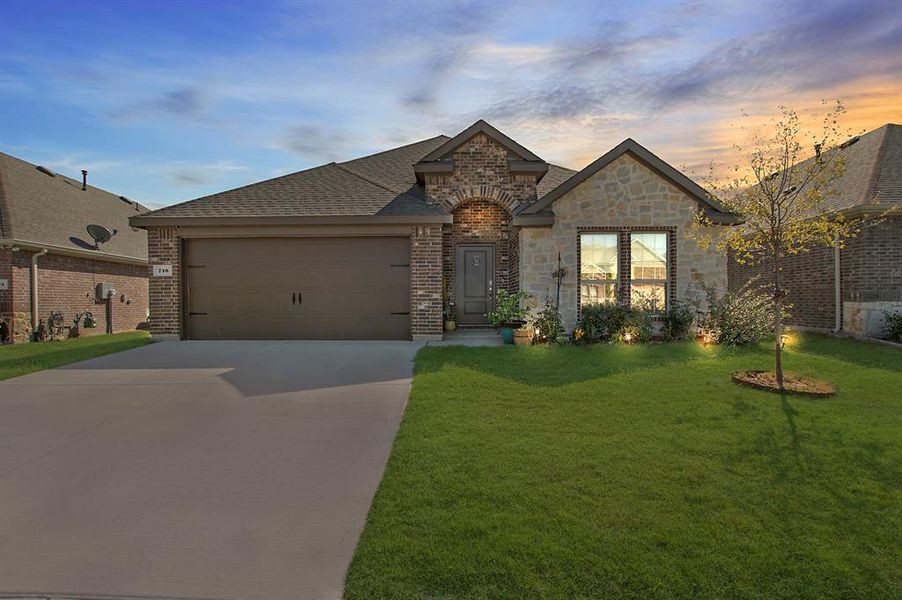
(166, 101)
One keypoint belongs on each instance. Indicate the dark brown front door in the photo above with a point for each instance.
(298, 288)
(475, 283)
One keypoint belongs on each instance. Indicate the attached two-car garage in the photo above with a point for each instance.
(297, 288)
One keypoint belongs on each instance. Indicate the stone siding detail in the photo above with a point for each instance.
(66, 284)
(426, 282)
(625, 194)
(164, 247)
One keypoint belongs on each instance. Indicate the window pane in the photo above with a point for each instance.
(598, 256)
(648, 255)
(597, 293)
(650, 297)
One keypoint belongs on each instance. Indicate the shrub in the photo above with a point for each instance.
(547, 323)
(637, 325)
(601, 322)
(677, 321)
(738, 318)
(509, 308)
(892, 325)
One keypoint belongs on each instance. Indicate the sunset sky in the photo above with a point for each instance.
(167, 101)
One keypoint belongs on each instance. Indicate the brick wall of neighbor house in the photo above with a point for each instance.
(624, 194)
(481, 193)
(164, 247)
(67, 284)
(6, 296)
(479, 222)
(808, 280)
(872, 276)
(426, 282)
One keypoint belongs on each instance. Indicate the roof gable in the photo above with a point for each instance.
(646, 157)
(480, 126)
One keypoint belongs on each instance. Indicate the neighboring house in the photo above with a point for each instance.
(43, 239)
(367, 249)
(848, 288)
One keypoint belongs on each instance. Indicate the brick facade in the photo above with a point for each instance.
(481, 193)
(871, 280)
(426, 282)
(808, 280)
(164, 247)
(67, 284)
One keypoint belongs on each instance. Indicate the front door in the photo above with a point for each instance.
(475, 283)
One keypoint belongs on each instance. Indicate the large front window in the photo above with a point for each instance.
(598, 268)
(648, 271)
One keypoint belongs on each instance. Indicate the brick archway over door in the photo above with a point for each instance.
(481, 221)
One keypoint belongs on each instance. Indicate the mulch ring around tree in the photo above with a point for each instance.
(793, 384)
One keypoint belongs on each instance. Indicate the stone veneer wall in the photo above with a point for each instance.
(624, 194)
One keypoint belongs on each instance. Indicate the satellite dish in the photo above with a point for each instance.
(99, 234)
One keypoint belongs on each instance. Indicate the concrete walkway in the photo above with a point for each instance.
(219, 470)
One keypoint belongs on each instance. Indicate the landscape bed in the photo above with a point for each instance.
(640, 471)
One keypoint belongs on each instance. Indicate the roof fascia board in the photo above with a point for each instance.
(532, 221)
(74, 252)
(644, 156)
(151, 221)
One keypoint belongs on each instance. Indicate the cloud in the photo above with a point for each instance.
(314, 142)
(181, 174)
(187, 102)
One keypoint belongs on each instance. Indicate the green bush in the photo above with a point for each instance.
(636, 327)
(892, 325)
(677, 321)
(738, 318)
(547, 323)
(601, 322)
(509, 308)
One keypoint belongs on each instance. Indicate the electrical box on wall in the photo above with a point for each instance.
(104, 291)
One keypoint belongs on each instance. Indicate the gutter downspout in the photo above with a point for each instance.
(837, 287)
(34, 288)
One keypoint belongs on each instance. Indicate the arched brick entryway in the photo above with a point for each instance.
(480, 221)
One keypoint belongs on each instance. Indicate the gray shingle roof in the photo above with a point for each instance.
(54, 211)
(873, 171)
(382, 184)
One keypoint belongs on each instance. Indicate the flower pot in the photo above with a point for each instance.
(523, 336)
(507, 334)
(450, 325)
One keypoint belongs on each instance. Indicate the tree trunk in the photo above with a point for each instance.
(778, 343)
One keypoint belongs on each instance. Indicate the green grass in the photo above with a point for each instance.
(614, 471)
(21, 359)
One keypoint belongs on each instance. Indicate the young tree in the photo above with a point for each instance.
(779, 192)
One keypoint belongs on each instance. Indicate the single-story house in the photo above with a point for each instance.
(49, 263)
(376, 247)
(848, 288)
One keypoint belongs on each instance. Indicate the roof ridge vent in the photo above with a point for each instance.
(849, 142)
(45, 170)
(126, 200)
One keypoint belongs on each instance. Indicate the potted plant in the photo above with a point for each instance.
(509, 314)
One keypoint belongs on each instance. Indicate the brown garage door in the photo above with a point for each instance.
(298, 288)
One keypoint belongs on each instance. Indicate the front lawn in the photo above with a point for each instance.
(20, 359)
(615, 471)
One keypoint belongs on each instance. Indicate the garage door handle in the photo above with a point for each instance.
(300, 298)
(294, 299)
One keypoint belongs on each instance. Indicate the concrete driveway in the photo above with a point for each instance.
(197, 469)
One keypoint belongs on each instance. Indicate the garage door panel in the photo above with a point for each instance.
(347, 288)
